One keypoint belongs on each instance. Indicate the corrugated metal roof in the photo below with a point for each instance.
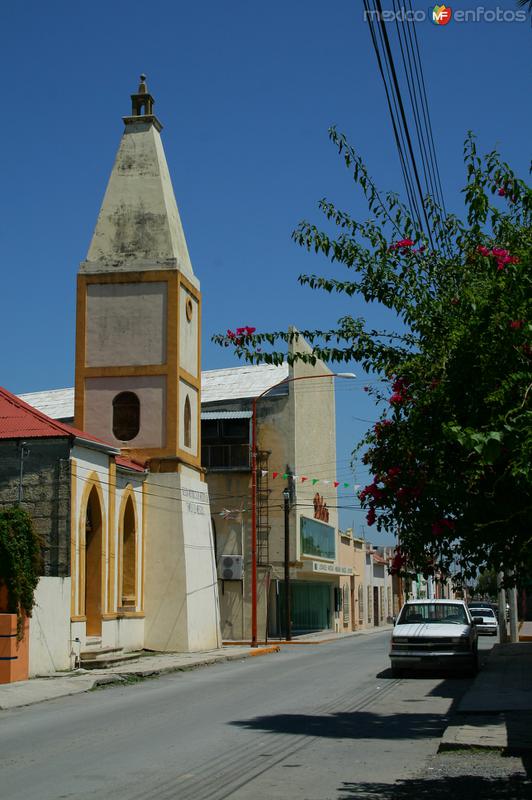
(234, 383)
(226, 414)
(56, 403)
(237, 383)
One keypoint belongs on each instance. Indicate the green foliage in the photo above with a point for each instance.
(452, 454)
(20, 562)
(487, 584)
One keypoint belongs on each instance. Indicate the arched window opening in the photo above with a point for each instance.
(129, 556)
(187, 423)
(126, 416)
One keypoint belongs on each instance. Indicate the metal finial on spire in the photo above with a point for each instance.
(142, 87)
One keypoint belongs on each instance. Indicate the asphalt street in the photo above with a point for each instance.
(309, 722)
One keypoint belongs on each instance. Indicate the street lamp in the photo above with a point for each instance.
(348, 375)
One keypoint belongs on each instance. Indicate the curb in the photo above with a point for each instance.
(118, 677)
(109, 679)
(281, 643)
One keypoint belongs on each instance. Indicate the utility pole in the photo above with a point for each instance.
(287, 598)
(503, 634)
(512, 601)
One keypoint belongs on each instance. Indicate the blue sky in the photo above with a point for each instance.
(246, 92)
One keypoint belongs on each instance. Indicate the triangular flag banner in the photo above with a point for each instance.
(263, 472)
(346, 486)
(284, 476)
(326, 481)
(315, 481)
(295, 477)
(304, 478)
(274, 475)
(336, 483)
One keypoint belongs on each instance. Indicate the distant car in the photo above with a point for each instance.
(434, 634)
(489, 624)
(474, 604)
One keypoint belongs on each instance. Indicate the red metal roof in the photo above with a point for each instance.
(128, 464)
(19, 420)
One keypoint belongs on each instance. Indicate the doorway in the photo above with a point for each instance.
(93, 565)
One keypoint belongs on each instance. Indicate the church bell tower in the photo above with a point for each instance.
(138, 379)
(138, 376)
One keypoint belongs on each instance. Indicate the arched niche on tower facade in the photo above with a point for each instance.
(187, 423)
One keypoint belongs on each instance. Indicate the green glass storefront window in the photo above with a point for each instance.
(317, 539)
(310, 606)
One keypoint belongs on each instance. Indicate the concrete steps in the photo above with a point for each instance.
(94, 656)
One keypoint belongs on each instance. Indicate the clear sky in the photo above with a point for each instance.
(246, 92)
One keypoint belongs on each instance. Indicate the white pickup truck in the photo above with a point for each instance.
(434, 634)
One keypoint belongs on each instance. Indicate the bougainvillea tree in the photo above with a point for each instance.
(451, 456)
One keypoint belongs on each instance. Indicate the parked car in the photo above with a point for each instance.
(489, 624)
(435, 634)
(474, 604)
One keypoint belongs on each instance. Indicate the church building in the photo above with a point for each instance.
(131, 546)
(138, 377)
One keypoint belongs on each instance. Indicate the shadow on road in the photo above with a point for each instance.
(515, 787)
(350, 725)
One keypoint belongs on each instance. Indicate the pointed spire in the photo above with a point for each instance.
(139, 227)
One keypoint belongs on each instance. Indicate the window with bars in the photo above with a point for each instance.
(345, 591)
(370, 603)
(361, 604)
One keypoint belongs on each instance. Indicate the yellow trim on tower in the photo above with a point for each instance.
(111, 533)
(143, 562)
(73, 530)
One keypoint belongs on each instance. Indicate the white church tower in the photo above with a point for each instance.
(138, 378)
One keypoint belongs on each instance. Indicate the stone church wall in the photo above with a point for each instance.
(46, 495)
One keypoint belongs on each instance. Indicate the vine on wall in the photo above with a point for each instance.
(20, 563)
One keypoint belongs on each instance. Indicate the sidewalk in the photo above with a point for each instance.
(36, 690)
(496, 712)
(319, 637)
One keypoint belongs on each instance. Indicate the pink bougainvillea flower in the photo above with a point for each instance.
(401, 244)
(396, 399)
(500, 252)
(230, 334)
(502, 192)
(245, 330)
(371, 516)
(484, 251)
(394, 471)
(517, 324)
